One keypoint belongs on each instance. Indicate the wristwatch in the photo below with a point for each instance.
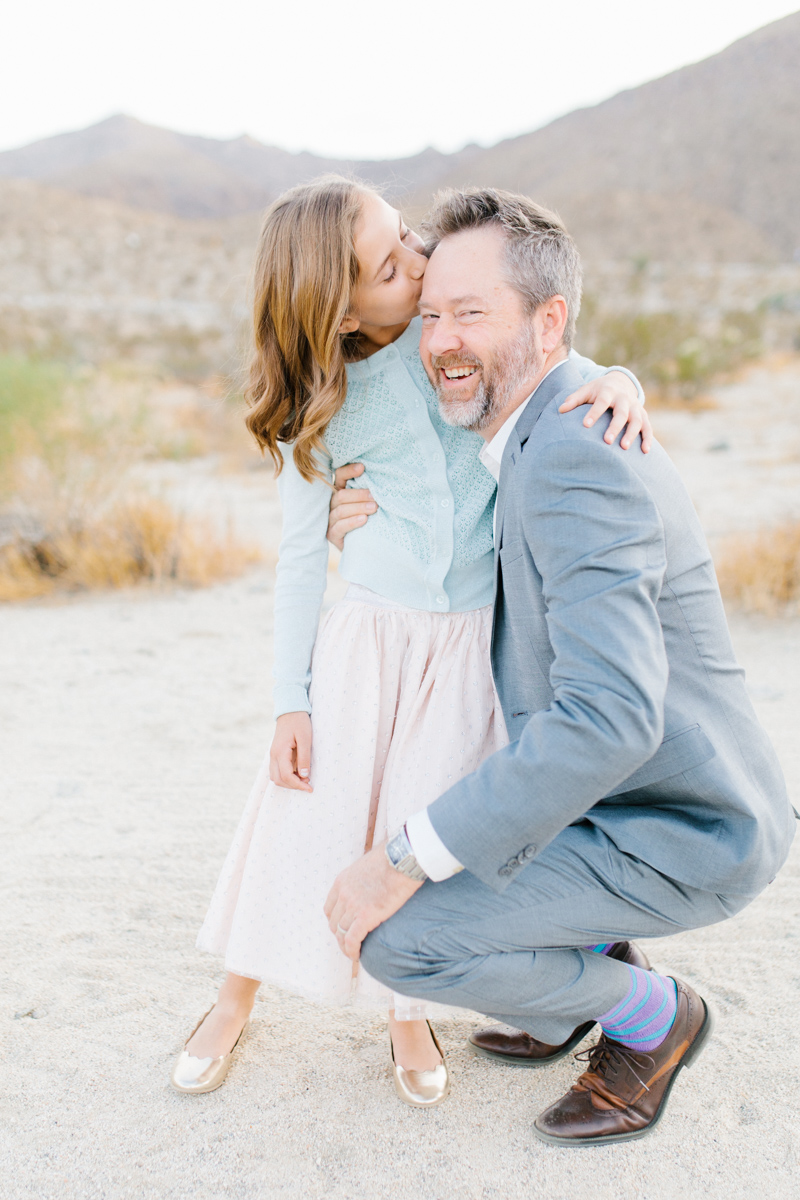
(401, 857)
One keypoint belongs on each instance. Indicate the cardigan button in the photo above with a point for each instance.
(441, 599)
(445, 504)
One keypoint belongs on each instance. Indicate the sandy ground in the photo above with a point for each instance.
(132, 726)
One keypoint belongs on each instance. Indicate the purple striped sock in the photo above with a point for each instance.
(644, 1018)
(601, 947)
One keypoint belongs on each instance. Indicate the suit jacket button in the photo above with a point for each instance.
(529, 852)
(505, 871)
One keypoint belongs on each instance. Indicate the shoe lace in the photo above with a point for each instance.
(608, 1058)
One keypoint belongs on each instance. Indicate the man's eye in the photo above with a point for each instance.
(429, 318)
(389, 278)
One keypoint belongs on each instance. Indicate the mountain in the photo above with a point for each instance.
(127, 161)
(720, 140)
(699, 166)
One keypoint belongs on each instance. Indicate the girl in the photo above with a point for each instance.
(400, 685)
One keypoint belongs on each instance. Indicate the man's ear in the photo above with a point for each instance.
(349, 324)
(553, 316)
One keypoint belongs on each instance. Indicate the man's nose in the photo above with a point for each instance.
(444, 337)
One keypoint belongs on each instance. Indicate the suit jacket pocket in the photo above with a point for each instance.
(511, 549)
(679, 751)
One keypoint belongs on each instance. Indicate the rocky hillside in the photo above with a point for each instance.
(92, 279)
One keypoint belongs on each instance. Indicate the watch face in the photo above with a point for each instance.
(398, 848)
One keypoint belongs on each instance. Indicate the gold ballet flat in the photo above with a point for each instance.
(197, 1075)
(422, 1089)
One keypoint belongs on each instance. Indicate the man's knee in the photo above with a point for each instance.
(376, 958)
(391, 953)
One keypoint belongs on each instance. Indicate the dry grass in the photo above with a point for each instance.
(139, 541)
(761, 573)
(72, 514)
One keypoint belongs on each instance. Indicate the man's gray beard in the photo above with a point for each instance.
(516, 362)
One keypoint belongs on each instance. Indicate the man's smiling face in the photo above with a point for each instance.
(479, 344)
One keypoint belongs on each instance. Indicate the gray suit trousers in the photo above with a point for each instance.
(516, 955)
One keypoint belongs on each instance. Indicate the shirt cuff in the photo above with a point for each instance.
(632, 378)
(429, 850)
(289, 697)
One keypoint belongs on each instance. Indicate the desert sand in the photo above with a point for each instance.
(133, 724)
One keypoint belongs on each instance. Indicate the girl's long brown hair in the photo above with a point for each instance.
(305, 275)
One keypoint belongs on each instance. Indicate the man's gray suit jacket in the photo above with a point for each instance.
(624, 702)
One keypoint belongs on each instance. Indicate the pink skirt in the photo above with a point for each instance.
(404, 706)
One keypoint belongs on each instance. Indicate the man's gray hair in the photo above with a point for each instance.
(542, 259)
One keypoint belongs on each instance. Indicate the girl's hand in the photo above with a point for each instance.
(616, 391)
(290, 753)
(350, 507)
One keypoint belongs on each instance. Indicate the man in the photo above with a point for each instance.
(639, 796)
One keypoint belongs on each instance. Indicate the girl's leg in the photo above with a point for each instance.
(447, 722)
(413, 1045)
(218, 1033)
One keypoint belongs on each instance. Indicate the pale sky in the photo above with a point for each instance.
(349, 78)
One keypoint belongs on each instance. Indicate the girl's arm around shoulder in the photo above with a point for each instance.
(616, 388)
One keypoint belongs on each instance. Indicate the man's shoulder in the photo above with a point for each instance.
(541, 422)
(554, 427)
(560, 454)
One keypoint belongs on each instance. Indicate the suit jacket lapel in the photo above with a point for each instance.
(506, 467)
(565, 376)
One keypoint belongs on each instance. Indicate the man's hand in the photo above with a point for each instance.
(363, 897)
(350, 507)
(617, 391)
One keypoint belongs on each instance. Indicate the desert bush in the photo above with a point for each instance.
(673, 357)
(74, 513)
(31, 400)
(136, 541)
(761, 573)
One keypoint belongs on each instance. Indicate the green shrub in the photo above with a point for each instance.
(668, 351)
(31, 398)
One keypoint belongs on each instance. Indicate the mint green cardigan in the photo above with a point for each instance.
(429, 546)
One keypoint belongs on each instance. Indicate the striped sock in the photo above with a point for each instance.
(644, 1018)
(601, 947)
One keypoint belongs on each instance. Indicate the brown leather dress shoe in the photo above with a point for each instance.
(519, 1049)
(630, 953)
(624, 1092)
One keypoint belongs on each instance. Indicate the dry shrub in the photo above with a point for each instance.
(142, 540)
(761, 573)
(73, 514)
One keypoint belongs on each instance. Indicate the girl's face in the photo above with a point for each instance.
(391, 266)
